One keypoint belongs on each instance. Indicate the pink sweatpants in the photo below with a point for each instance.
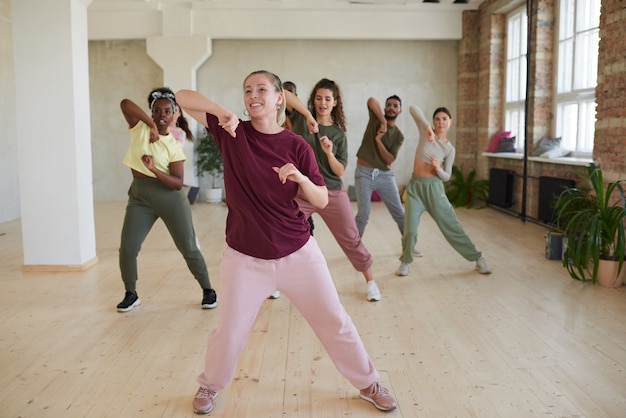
(339, 219)
(303, 277)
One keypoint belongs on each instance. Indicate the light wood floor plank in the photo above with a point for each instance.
(525, 341)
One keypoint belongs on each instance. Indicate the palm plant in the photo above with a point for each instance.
(466, 192)
(592, 220)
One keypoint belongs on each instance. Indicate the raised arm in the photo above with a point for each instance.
(133, 114)
(294, 103)
(374, 106)
(197, 106)
(422, 124)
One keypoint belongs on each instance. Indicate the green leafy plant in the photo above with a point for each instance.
(209, 158)
(467, 191)
(592, 220)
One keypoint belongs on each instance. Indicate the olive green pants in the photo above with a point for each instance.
(149, 200)
(428, 194)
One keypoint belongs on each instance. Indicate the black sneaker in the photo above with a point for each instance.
(209, 299)
(131, 299)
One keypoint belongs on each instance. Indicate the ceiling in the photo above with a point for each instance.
(279, 19)
(453, 5)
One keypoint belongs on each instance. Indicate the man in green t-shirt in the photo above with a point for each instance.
(381, 142)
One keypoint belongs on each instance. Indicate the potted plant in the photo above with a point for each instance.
(209, 161)
(466, 192)
(592, 220)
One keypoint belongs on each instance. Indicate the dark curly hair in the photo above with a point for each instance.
(337, 114)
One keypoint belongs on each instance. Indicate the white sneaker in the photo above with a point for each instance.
(417, 253)
(403, 270)
(373, 293)
(274, 295)
(482, 267)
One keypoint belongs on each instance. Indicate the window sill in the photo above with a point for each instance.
(577, 161)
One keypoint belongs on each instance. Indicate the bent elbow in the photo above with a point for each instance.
(323, 200)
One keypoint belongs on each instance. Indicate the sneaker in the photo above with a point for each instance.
(203, 401)
(482, 267)
(403, 270)
(417, 253)
(209, 299)
(274, 295)
(373, 294)
(131, 299)
(379, 396)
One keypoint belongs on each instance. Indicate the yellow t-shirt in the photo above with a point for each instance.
(164, 151)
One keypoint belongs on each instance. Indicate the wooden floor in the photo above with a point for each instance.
(526, 341)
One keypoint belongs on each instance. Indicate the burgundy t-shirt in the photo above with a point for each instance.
(264, 220)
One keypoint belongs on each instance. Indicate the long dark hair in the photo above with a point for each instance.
(336, 114)
(183, 124)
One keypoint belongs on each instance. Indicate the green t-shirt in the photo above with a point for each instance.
(392, 140)
(340, 147)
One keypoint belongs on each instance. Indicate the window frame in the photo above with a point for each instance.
(515, 83)
(575, 81)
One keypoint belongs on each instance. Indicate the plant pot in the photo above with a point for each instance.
(213, 195)
(607, 274)
(554, 245)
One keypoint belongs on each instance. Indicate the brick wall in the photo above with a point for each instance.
(481, 80)
(610, 137)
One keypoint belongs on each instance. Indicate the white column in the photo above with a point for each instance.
(54, 133)
(180, 57)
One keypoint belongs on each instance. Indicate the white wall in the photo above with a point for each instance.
(413, 69)
(9, 181)
(420, 72)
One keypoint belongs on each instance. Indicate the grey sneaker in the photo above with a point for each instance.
(417, 253)
(403, 270)
(274, 295)
(482, 267)
(203, 401)
(379, 396)
(373, 294)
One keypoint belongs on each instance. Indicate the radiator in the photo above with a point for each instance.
(549, 189)
(501, 187)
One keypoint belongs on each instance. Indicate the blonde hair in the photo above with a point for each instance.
(278, 85)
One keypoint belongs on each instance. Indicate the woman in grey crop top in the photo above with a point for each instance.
(432, 166)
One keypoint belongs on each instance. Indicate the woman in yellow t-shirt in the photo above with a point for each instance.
(156, 162)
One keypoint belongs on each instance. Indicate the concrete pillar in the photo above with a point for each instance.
(180, 57)
(54, 134)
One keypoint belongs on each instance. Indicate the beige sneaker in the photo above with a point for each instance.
(482, 267)
(203, 401)
(373, 293)
(379, 396)
(403, 270)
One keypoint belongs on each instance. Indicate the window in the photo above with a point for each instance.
(515, 88)
(577, 73)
